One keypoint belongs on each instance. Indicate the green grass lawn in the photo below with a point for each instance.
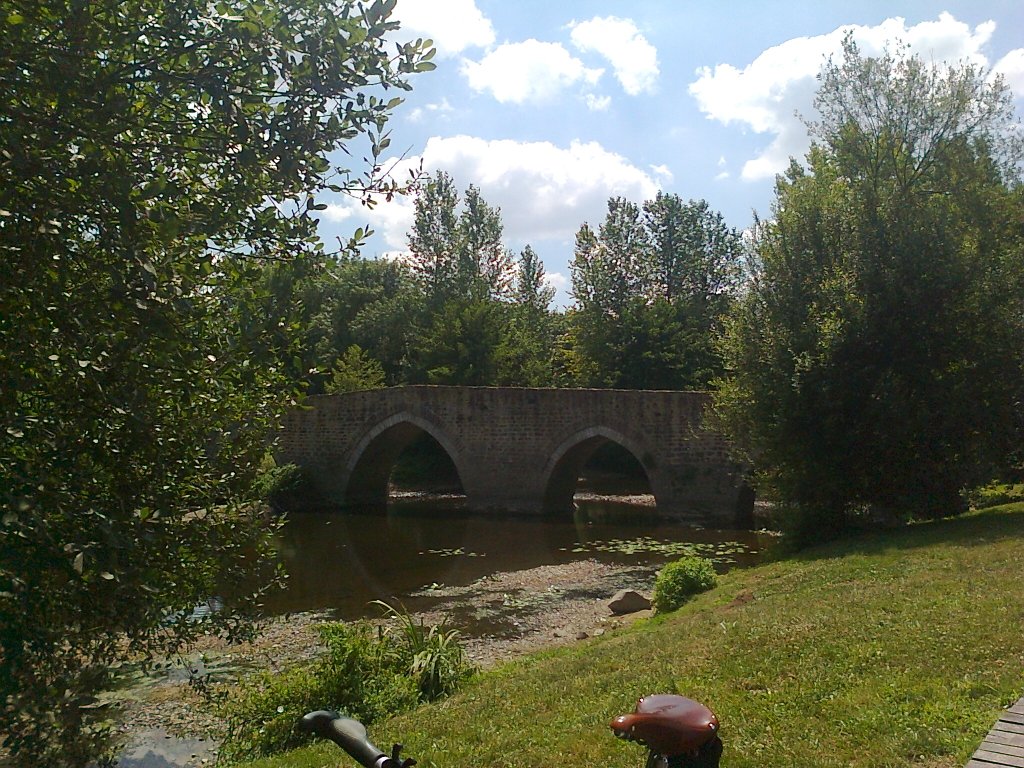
(894, 649)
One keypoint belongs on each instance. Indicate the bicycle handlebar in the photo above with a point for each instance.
(351, 736)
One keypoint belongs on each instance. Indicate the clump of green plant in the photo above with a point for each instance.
(355, 371)
(994, 494)
(366, 672)
(679, 580)
(283, 486)
(433, 656)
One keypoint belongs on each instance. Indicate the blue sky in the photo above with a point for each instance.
(550, 108)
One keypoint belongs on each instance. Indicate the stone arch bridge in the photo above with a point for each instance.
(519, 450)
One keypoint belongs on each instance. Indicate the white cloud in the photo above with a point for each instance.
(663, 172)
(440, 109)
(597, 103)
(1011, 67)
(337, 213)
(453, 25)
(544, 191)
(391, 220)
(767, 94)
(527, 71)
(557, 280)
(634, 60)
(723, 174)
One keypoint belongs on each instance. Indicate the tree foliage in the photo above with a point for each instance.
(461, 344)
(486, 317)
(531, 289)
(875, 362)
(652, 284)
(155, 157)
(484, 263)
(458, 253)
(382, 307)
(355, 371)
(527, 353)
(374, 304)
(433, 240)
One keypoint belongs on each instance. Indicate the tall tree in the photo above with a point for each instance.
(456, 250)
(531, 287)
(611, 267)
(876, 358)
(434, 238)
(485, 265)
(694, 255)
(155, 156)
(469, 280)
(652, 285)
(527, 353)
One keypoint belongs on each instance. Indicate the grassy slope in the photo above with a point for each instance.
(895, 649)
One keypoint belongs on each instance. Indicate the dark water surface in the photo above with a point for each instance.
(339, 562)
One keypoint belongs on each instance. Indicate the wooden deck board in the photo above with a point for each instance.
(1009, 739)
(1003, 747)
(998, 758)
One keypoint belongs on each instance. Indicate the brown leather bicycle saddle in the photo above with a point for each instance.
(668, 725)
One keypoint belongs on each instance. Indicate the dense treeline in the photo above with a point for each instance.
(430, 320)
(651, 286)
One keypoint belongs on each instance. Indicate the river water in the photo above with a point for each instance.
(339, 562)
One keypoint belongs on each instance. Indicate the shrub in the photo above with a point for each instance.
(679, 580)
(994, 494)
(283, 487)
(366, 673)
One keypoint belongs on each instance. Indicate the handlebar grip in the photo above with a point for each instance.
(348, 734)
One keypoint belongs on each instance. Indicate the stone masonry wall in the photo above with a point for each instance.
(507, 443)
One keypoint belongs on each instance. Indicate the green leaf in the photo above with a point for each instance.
(155, 238)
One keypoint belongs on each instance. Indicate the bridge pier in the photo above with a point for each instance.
(519, 450)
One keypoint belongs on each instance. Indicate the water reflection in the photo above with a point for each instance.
(341, 561)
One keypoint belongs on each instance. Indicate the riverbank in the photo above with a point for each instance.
(897, 648)
(520, 611)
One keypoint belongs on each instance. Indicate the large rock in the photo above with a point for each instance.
(628, 601)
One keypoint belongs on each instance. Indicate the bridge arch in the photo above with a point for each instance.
(561, 473)
(371, 461)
